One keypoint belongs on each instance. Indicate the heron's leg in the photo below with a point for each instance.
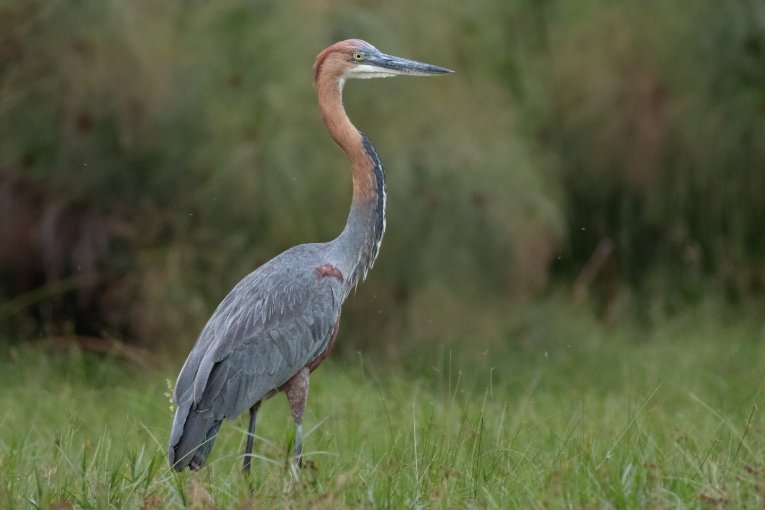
(297, 392)
(250, 437)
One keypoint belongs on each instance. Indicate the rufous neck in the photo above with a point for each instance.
(345, 134)
(359, 242)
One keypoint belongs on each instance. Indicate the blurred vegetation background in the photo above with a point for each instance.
(153, 153)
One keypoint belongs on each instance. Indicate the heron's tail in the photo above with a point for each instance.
(192, 438)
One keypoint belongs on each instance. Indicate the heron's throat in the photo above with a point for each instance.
(359, 243)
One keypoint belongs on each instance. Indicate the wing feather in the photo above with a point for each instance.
(274, 322)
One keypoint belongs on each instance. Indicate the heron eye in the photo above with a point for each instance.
(358, 56)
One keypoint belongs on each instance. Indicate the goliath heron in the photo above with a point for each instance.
(280, 322)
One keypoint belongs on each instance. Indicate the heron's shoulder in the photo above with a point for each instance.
(295, 264)
(281, 284)
(302, 255)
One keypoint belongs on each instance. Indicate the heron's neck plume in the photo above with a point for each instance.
(357, 246)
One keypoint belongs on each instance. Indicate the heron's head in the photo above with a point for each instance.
(354, 58)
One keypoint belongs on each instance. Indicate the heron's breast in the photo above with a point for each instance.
(322, 356)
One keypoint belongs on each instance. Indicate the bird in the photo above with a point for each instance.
(281, 321)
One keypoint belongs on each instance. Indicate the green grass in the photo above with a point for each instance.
(571, 414)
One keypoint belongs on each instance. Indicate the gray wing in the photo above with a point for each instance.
(273, 323)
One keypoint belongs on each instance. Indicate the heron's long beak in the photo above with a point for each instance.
(397, 65)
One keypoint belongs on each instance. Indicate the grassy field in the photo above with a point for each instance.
(570, 414)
